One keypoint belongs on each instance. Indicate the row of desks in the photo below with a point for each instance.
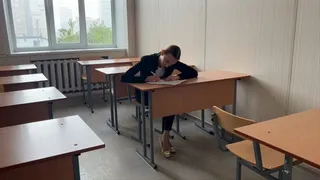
(31, 146)
(92, 76)
(219, 88)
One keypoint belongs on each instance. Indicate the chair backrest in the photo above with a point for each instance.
(229, 121)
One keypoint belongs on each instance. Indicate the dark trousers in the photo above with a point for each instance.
(166, 121)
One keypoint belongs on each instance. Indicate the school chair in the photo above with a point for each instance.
(272, 160)
(224, 121)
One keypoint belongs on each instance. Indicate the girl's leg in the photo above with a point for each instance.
(166, 128)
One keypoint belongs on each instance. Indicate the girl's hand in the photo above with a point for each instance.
(172, 78)
(153, 79)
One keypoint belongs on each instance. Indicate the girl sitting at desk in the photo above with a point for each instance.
(153, 68)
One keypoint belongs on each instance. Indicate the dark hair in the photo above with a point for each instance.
(174, 50)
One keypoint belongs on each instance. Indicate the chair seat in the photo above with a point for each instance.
(84, 77)
(271, 159)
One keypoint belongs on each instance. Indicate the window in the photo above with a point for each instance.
(60, 24)
(30, 28)
(99, 26)
(66, 21)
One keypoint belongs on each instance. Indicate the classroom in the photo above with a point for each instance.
(160, 90)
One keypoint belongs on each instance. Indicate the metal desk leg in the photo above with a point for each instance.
(217, 132)
(50, 110)
(82, 85)
(139, 124)
(177, 130)
(111, 100)
(287, 171)
(115, 104)
(109, 80)
(135, 116)
(257, 154)
(138, 118)
(143, 119)
(151, 130)
(238, 174)
(129, 94)
(104, 88)
(144, 155)
(202, 126)
(234, 106)
(88, 73)
(76, 169)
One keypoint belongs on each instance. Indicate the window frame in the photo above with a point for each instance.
(50, 23)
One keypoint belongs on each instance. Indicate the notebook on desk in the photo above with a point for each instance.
(162, 82)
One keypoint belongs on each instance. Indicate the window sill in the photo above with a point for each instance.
(69, 51)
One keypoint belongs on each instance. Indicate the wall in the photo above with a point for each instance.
(305, 82)
(159, 25)
(125, 39)
(256, 37)
(147, 26)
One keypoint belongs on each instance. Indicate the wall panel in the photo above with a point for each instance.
(305, 83)
(254, 37)
(182, 22)
(147, 31)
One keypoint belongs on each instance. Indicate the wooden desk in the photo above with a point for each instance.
(92, 76)
(45, 150)
(296, 135)
(105, 62)
(25, 106)
(210, 88)
(111, 74)
(16, 69)
(20, 82)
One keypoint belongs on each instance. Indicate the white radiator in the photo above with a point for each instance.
(64, 74)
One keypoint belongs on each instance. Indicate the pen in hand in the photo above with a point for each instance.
(153, 78)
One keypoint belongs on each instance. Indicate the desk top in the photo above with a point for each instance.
(203, 77)
(114, 70)
(20, 79)
(30, 96)
(297, 135)
(28, 143)
(18, 67)
(108, 61)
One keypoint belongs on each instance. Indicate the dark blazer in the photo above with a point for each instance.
(150, 64)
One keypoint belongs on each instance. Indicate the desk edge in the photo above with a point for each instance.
(75, 153)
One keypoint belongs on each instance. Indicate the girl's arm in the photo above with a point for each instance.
(187, 72)
(129, 76)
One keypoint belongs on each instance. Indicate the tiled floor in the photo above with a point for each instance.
(197, 157)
